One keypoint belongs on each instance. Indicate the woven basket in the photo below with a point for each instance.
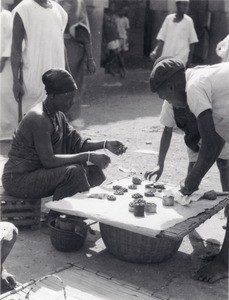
(135, 247)
(66, 241)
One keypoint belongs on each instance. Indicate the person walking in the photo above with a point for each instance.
(78, 43)
(177, 35)
(8, 112)
(39, 26)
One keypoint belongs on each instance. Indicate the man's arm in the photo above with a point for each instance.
(164, 147)
(192, 46)
(157, 50)
(211, 146)
(83, 36)
(16, 55)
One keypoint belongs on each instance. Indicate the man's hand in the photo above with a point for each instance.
(116, 147)
(91, 66)
(2, 63)
(158, 170)
(185, 190)
(100, 160)
(153, 56)
(17, 90)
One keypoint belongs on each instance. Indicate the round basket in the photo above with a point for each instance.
(135, 247)
(67, 241)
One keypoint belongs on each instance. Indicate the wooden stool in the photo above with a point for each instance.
(20, 212)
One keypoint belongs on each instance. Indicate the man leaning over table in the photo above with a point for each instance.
(205, 90)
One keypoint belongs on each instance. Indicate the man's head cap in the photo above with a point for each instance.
(58, 81)
(163, 69)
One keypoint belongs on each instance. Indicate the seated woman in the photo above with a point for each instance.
(47, 156)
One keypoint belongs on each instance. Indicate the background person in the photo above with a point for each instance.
(205, 90)
(177, 35)
(111, 38)
(222, 49)
(123, 25)
(8, 112)
(47, 156)
(39, 26)
(78, 43)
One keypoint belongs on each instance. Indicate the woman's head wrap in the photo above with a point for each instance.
(58, 81)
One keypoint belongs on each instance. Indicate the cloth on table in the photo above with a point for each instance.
(116, 213)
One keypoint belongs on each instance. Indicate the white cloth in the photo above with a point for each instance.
(167, 119)
(116, 213)
(8, 111)
(6, 32)
(44, 46)
(207, 87)
(6, 231)
(222, 49)
(122, 26)
(177, 37)
(9, 114)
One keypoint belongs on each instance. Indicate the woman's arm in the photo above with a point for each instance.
(41, 133)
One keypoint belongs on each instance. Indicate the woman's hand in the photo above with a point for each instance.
(100, 160)
(115, 147)
(158, 170)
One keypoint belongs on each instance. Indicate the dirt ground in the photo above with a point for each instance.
(126, 110)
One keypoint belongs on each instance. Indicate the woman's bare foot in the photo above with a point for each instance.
(212, 271)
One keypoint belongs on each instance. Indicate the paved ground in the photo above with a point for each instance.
(126, 110)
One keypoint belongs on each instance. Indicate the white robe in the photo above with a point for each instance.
(43, 46)
(8, 107)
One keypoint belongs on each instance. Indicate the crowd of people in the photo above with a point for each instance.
(48, 157)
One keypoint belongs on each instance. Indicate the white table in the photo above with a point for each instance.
(174, 222)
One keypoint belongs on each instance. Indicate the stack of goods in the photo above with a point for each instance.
(139, 206)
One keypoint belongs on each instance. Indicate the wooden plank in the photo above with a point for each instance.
(19, 206)
(21, 214)
(182, 229)
(27, 222)
(81, 284)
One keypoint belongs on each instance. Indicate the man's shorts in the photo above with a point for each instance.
(113, 45)
(194, 155)
(124, 46)
(6, 231)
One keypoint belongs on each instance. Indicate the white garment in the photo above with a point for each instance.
(6, 32)
(9, 113)
(222, 49)
(167, 119)
(208, 88)
(7, 230)
(44, 46)
(177, 37)
(122, 26)
(8, 108)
